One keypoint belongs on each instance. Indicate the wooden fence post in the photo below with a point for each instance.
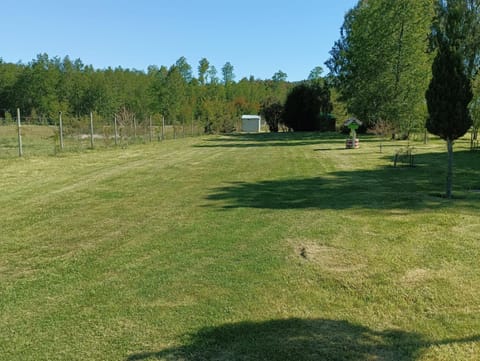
(20, 146)
(91, 130)
(150, 129)
(134, 128)
(163, 127)
(115, 129)
(60, 125)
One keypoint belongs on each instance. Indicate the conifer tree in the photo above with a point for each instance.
(448, 96)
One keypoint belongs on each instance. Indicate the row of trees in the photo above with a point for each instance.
(45, 86)
(410, 65)
(382, 64)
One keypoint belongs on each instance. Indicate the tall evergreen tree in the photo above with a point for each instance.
(203, 67)
(227, 72)
(212, 74)
(448, 96)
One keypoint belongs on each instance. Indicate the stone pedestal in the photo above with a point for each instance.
(352, 143)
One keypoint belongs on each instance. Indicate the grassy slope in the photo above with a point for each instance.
(243, 247)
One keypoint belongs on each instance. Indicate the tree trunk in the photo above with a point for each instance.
(450, 168)
(473, 138)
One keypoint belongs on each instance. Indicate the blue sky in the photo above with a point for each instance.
(257, 37)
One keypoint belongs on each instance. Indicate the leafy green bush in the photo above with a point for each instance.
(308, 108)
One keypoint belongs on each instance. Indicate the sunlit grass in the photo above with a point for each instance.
(251, 247)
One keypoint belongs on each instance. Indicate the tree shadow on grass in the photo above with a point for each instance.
(297, 339)
(318, 193)
(381, 188)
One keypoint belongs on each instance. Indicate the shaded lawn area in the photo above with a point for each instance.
(297, 339)
(383, 187)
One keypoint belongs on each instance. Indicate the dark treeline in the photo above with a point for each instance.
(46, 86)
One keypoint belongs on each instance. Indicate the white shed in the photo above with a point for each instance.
(251, 123)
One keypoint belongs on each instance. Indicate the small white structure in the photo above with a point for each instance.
(251, 123)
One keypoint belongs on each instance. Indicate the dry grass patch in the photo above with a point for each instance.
(330, 258)
(418, 277)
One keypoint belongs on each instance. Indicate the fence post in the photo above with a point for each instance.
(60, 125)
(115, 129)
(91, 130)
(20, 147)
(150, 129)
(163, 127)
(134, 128)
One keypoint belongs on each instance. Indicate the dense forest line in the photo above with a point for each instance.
(49, 85)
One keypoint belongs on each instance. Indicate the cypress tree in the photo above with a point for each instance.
(448, 96)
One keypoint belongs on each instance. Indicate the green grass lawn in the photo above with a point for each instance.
(242, 247)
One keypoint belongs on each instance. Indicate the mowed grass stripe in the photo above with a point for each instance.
(123, 254)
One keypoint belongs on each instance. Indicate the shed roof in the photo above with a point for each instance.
(251, 116)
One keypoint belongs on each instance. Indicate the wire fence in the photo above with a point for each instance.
(37, 136)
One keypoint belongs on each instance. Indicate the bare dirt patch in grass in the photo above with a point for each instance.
(329, 258)
(416, 275)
